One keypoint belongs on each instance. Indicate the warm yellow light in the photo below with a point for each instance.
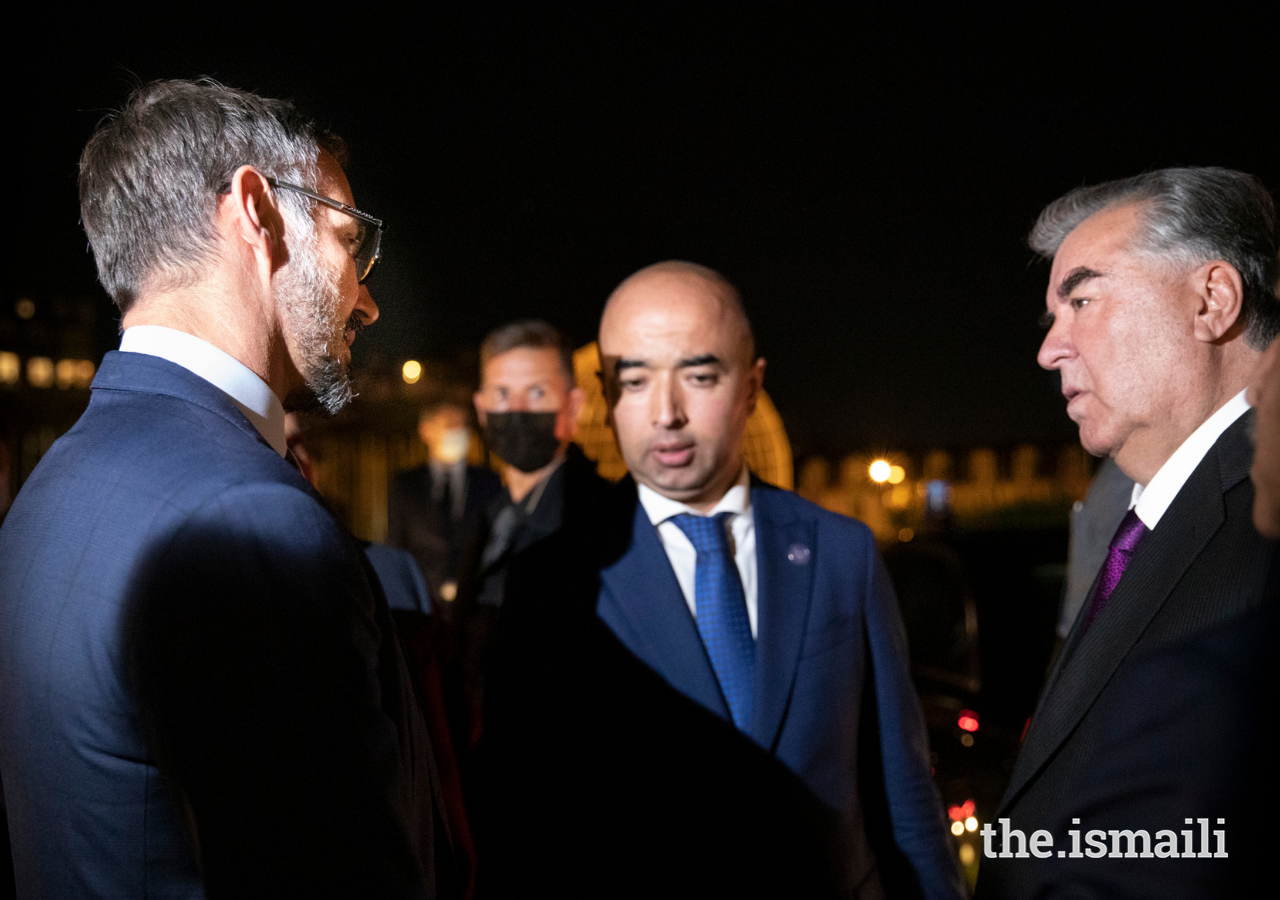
(67, 372)
(40, 372)
(411, 371)
(896, 474)
(957, 828)
(74, 373)
(24, 308)
(10, 367)
(967, 854)
(879, 471)
(906, 535)
(971, 824)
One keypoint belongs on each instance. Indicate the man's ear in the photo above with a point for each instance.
(251, 218)
(577, 399)
(1220, 290)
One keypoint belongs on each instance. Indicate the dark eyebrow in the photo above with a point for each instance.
(1078, 275)
(629, 364)
(706, 359)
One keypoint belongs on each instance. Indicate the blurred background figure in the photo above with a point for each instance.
(435, 508)
(528, 405)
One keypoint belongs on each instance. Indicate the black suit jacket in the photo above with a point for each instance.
(574, 490)
(415, 523)
(1203, 565)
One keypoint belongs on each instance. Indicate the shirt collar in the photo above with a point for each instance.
(736, 500)
(250, 393)
(1150, 502)
(439, 467)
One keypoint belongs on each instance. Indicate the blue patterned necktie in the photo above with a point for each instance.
(722, 613)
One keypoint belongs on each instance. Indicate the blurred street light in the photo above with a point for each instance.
(880, 471)
(40, 372)
(411, 371)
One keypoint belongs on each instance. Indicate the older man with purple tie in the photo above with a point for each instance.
(1161, 301)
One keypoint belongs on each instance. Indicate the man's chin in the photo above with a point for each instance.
(328, 389)
(1093, 443)
(680, 484)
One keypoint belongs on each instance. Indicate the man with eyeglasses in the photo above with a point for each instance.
(201, 689)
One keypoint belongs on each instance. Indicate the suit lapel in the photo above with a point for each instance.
(784, 591)
(643, 605)
(1090, 658)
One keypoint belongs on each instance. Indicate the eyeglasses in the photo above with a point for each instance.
(369, 238)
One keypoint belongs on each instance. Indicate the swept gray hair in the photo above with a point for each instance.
(150, 177)
(1191, 216)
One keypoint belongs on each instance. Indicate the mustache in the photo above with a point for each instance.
(355, 322)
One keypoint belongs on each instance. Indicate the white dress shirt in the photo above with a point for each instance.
(680, 550)
(1151, 501)
(247, 391)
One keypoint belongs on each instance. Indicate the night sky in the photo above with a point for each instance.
(866, 180)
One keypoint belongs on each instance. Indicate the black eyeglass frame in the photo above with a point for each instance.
(379, 228)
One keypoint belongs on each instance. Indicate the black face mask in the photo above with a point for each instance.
(526, 440)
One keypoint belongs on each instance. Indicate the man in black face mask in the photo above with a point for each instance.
(528, 406)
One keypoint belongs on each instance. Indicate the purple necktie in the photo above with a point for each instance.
(1126, 540)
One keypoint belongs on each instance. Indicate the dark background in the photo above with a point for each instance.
(866, 178)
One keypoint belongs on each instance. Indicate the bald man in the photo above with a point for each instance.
(715, 699)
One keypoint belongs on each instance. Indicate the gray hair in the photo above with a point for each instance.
(151, 174)
(1191, 216)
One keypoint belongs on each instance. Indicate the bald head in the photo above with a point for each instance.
(681, 378)
(675, 286)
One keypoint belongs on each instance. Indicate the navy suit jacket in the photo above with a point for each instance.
(829, 793)
(200, 687)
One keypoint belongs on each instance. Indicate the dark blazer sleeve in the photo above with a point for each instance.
(914, 807)
(253, 654)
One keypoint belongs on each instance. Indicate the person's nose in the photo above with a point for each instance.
(365, 305)
(1057, 347)
(668, 403)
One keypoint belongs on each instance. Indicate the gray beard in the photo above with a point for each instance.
(310, 301)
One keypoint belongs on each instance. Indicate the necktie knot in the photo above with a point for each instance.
(1129, 534)
(706, 533)
(1123, 544)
